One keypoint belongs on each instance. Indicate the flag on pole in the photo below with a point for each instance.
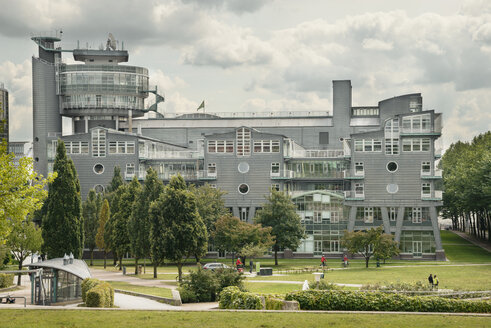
(201, 106)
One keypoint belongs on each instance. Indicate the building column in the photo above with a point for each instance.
(436, 230)
(385, 219)
(400, 218)
(86, 118)
(352, 218)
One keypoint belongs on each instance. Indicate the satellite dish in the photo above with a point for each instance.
(112, 42)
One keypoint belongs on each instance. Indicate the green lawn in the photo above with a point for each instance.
(271, 288)
(458, 249)
(458, 277)
(155, 291)
(149, 319)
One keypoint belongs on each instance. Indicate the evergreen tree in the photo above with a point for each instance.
(90, 211)
(62, 225)
(120, 235)
(104, 215)
(183, 227)
(139, 224)
(279, 213)
(112, 197)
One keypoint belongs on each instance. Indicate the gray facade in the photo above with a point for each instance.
(4, 114)
(350, 169)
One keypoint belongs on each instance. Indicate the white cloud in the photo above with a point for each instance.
(374, 44)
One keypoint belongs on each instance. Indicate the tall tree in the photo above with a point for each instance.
(116, 181)
(62, 225)
(176, 208)
(233, 235)
(372, 242)
(21, 190)
(139, 223)
(279, 214)
(90, 210)
(24, 240)
(120, 235)
(100, 236)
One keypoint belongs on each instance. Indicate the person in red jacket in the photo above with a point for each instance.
(238, 263)
(323, 261)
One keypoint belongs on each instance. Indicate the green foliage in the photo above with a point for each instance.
(210, 204)
(233, 298)
(280, 214)
(322, 285)
(233, 235)
(399, 286)
(90, 210)
(24, 240)
(372, 242)
(184, 233)
(21, 190)
(139, 223)
(103, 218)
(206, 285)
(62, 225)
(271, 303)
(96, 293)
(6, 280)
(379, 301)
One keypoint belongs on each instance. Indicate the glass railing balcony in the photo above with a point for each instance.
(317, 153)
(434, 195)
(350, 176)
(174, 154)
(352, 195)
(436, 174)
(289, 174)
(438, 152)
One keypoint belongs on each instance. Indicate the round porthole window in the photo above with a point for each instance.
(243, 189)
(392, 166)
(99, 189)
(243, 167)
(98, 169)
(392, 188)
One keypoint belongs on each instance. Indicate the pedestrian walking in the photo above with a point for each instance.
(430, 280)
(435, 282)
(323, 261)
(345, 260)
(238, 263)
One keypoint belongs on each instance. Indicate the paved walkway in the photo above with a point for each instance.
(131, 279)
(473, 240)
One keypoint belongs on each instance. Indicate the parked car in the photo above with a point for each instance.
(214, 266)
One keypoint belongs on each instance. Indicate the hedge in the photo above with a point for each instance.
(96, 293)
(379, 301)
(6, 280)
(232, 298)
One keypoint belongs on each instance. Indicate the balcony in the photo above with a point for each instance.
(169, 154)
(357, 176)
(437, 174)
(207, 175)
(289, 174)
(436, 195)
(352, 195)
(317, 153)
(438, 152)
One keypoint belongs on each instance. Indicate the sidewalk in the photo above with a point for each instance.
(131, 279)
(473, 240)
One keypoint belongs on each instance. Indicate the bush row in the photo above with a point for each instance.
(6, 280)
(379, 301)
(399, 286)
(233, 298)
(205, 286)
(96, 293)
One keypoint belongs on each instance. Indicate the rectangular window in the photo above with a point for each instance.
(425, 168)
(229, 146)
(317, 217)
(392, 146)
(415, 144)
(130, 168)
(275, 186)
(359, 169)
(323, 138)
(416, 123)
(220, 146)
(243, 137)
(212, 169)
(359, 190)
(212, 146)
(426, 189)
(392, 213)
(98, 143)
(368, 215)
(334, 217)
(266, 146)
(244, 213)
(275, 168)
(368, 145)
(416, 215)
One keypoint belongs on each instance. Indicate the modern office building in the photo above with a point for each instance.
(4, 114)
(351, 168)
(20, 149)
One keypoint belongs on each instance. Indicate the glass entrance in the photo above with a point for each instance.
(334, 245)
(417, 248)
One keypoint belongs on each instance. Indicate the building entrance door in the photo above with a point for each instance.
(417, 248)
(334, 245)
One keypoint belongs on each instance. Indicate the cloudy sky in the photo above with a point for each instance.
(256, 55)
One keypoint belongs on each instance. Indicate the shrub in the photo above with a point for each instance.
(205, 286)
(96, 293)
(399, 286)
(6, 280)
(232, 298)
(379, 301)
(271, 303)
(322, 285)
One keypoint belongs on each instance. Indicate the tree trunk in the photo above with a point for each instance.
(275, 256)
(115, 258)
(155, 270)
(144, 266)
(136, 265)
(366, 261)
(105, 257)
(120, 263)
(179, 270)
(92, 257)
(19, 276)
